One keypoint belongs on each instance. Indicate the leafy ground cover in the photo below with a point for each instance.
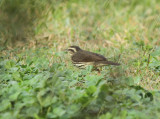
(37, 79)
(33, 88)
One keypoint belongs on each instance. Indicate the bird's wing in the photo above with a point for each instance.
(85, 56)
(104, 63)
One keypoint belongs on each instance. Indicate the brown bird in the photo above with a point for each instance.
(82, 58)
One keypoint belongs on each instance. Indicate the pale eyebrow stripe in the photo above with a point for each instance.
(72, 49)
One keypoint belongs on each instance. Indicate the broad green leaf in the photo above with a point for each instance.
(32, 110)
(9, 64)
(5, 104)
(59, 111)
(17, 76)
(46, 98)
(14, 96)
(91, 90)
(92, 80)
(6, 77)
(106, 116)
(7, 115)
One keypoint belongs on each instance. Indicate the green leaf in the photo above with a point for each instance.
(7, 115)
(32, 111)
(73, 108)
(5, 77)
(46, 98)
(92, 80)
(9, 64)
(24, 66)
(14, 96)
(91, 90)
(58, 111)
(89, 68)
(106, 116)
(16, 76)
(5, 104)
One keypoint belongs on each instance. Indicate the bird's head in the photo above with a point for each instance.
(73, 49)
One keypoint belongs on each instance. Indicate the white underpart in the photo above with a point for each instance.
(85, 64)
(82, 64)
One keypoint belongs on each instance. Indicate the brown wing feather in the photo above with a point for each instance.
(86, 56)
(103, 63)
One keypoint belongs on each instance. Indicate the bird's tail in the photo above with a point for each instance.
(103, 63)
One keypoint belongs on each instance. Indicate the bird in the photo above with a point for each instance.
(82, 58)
